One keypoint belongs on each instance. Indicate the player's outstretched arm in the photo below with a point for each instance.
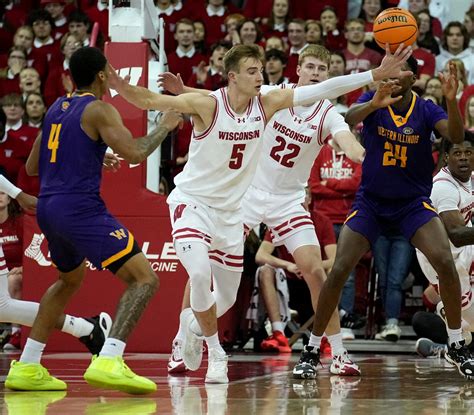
(391, 67)
(382, 98)
(25, 200)
(347, 142)
(104, 121)
(175, 85)
(148, 100)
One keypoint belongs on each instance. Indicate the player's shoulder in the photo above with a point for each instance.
(444, 180)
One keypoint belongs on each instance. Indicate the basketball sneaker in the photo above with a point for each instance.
(308, 389)
(216, 366)
(347, 334)
(342, 365)
(390, 332)
(32, 377)
(459, 355)
(112, 373)
(192, 345)
(466, 332)
(427, 348)
(29, 403)
(306, 366)
(175, 361)
(33, 250)
(14, 342)
(276, 342)
(353, 321)
(102, 325)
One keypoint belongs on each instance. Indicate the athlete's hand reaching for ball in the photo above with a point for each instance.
(170, 120)
(383, 96)
(392, 64)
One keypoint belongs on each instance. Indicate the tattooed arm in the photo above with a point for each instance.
(102, 120)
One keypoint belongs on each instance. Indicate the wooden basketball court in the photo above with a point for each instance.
(259, 384)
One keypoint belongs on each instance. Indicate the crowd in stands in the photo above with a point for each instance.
(38, 37)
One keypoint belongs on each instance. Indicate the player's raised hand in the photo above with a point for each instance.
(171, 83)
(383, 96)
(392, 64)
(27, 202)
(115, 81)
(171, 119)
(450, 82)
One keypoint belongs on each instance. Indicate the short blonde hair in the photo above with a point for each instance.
(233, 57)
(316, 51)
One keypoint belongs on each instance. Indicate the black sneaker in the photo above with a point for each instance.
(353, 321)
(102, 325)
(459, 355)
(306, 366)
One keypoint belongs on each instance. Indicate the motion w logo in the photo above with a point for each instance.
(135, 73)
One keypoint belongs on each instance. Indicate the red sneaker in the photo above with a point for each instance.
(14, 342)
(270, 344)
(283, 345)
(325, 347)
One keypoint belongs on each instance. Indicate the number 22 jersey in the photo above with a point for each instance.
(398, 162)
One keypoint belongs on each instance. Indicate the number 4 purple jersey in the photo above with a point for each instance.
(399, 163)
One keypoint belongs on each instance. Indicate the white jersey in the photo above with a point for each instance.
(292, 140)
(222, 160)
(450, 194)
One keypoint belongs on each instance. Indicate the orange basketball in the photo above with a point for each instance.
(395, 26)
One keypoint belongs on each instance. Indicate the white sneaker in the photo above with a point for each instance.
(33, 250)
(390, 332)
(192, 344)
(342, 365)
(347, 334)
(466, 329)
(217, 367)
(175, 361)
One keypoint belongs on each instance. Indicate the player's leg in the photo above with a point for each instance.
(440, 257)
(28, 373)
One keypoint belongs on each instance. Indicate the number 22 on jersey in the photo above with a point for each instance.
(53, 141)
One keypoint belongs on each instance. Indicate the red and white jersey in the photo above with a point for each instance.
(292, 140)
(3, 263)
(222, 160)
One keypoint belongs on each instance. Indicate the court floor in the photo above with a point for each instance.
(390, 384)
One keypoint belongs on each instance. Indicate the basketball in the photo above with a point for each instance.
(395, 26)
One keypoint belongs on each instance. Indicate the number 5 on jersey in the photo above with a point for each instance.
(237, 156)
(53, 141)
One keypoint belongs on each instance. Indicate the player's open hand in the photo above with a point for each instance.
(171, 119)
(392, 64)
(171, 83)
(383, 96)
(450, 82)
(111, 162)
(27, 202)
(294, 270)
(115, 81)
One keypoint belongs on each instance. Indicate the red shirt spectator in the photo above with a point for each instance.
(257, 9)
(11, 240)
(99, 13)
(213, 18)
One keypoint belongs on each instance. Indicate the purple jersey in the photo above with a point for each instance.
(70, 161)
(398, 163)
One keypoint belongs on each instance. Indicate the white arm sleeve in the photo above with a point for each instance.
(445, 196)
(9, 188)
(332, 88)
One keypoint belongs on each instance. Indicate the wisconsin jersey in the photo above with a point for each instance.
(292, 140)
(222, 160)
(63, 166)
(398, 162)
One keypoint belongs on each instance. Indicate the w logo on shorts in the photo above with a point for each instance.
(178, 212)
(119, 234)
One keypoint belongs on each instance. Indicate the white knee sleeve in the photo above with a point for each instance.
(226, 285)
(15, 311)
(195, 258)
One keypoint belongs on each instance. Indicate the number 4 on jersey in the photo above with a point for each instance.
(53, 141)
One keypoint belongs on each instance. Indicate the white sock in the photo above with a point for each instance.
(278, 326)
(336, 344)
(77, 326)
(32, 352)
(315, 341)
(455, 335)
(112, 347)
(213, 342)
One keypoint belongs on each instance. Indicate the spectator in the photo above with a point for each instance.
(337, 67)
(35, 109)
(185, 60)
(56, 9)
(416, 6)
(370, 10)
(426, 38)
(314, 32)
(99, 12)
(455, 44)
(10, 76)
(257, 9)
(433, 87)
(42, 23)
(461, 74)
(79, 25)
(18, 138)
(249, 32)
(469, 24)
(274, 67)
(11, 240)
(59, 81)
(426, 66)
(280, 17)
(275, 43)
(232, 22)
(393, 254)
(469, 114)
(200, 37)
(297, 39)
(29, 82)
(333, 37)
(166, 10)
